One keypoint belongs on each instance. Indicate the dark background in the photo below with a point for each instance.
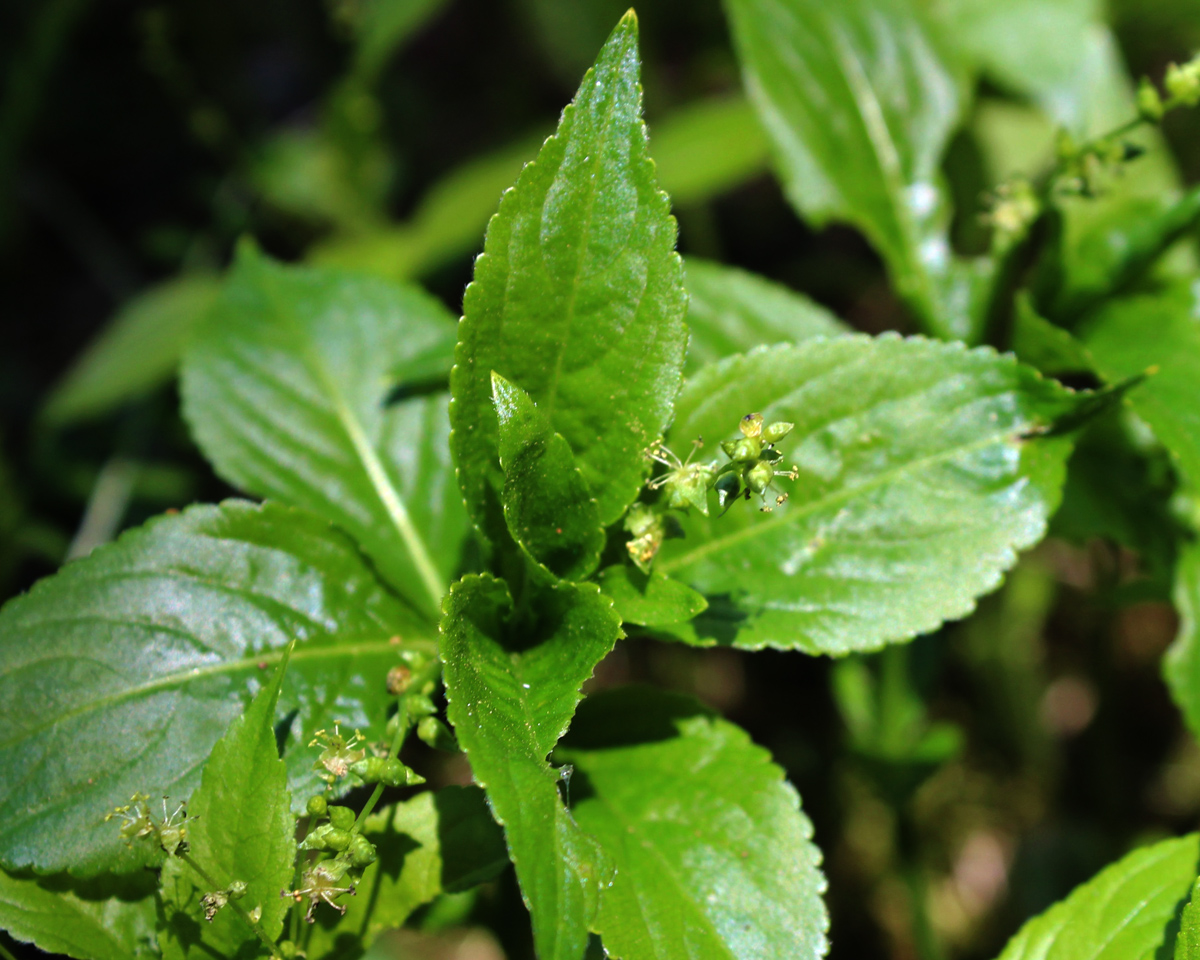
(128, 131)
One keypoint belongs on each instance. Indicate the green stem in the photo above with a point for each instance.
(418, 683)
(924, 938)
(5, 954)
(233, 904)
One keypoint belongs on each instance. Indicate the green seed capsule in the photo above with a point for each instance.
(337, 840)
(774, 432)
(437, 735)
(368, 770)
(759, 476)
(341, 818)
(362, 851)
(317, 805)
(746, 450)
(394, 774)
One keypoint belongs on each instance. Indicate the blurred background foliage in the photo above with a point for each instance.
(957, 787)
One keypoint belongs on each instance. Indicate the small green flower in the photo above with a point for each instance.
(648, 529)
(339, 752)
(137, 821)
(321, 883)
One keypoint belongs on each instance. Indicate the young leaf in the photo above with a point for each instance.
(136, 352)
(437, 842)
(650, 600)
(285, 388)
(577, 299)
(59, 919)
(243, 831)
(732, 311)
(512, 687)
(545, 498)
(1156, 332)
(141, 655)
(713, 855)
(918, 482)
(1126, 910)
(1187, 946)
(859, 101)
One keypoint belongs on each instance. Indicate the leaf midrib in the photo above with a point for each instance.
(821, 503)
(183, 677)
(389, 496)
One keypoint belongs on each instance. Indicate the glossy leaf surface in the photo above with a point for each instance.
(141, 655)
(47, 912)
(512, 687)
(578, 298)
(714, 857)
(1156, 331)
(731, 311)
(1129, 909)
(917, 485)
(438, 842)
(1187, 944)
(546, 501)
(243, 831)
(859, 99)
(650, 600)
(286, 391)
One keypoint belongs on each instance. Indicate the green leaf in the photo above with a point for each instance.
(512, 686)
(731, 311)
(437, 842)
(707, 147)
(1187, 946)
(1156, 332)
(88, 924)
(1129, 909)
(650, 600)
(859, 100)
(546, 501)
(285, 388)
(135, 353)
(138, 658)
(917, 486)
(1117, 247)
(1181, 665)
(1038, 48)
(578, 299)
(243, 831)
(1039, 343)
(381, 26)
(702, 149)
(713, 855)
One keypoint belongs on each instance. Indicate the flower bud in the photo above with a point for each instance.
(341, 818)
(237, 890)
(317, 806)
(288, 949)
(1149, 103)
(1183, 82)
